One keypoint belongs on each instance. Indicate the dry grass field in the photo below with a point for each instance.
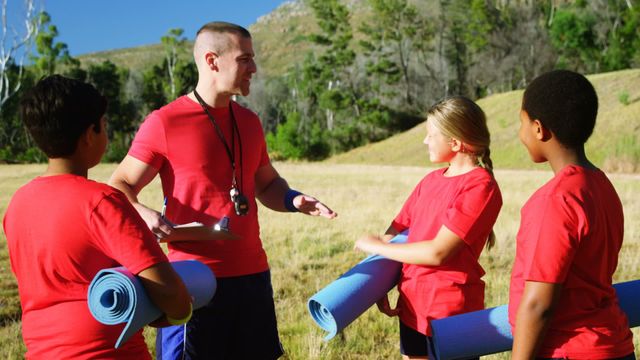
(308, 253)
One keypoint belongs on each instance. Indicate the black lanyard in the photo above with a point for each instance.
(234, 131)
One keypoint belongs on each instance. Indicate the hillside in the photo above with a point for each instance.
(135, 59)
(614, 145)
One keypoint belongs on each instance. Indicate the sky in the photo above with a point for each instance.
(88, 26)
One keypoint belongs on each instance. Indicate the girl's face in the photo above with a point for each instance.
(439, 145)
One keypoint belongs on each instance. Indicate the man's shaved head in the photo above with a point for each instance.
(214, 36)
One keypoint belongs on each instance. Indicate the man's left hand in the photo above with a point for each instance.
(311, 206)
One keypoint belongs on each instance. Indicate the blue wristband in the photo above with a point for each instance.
(288, 199)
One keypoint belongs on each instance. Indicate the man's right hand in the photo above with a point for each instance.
(158, 225)
(385, 308)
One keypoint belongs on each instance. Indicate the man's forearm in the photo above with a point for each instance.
(126, 189)
(272, 196)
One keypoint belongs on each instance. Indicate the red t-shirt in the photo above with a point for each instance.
(570, 233)
(61, 230)
(466, 204)
(180, 140)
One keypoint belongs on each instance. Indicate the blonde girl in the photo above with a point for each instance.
(450, 216)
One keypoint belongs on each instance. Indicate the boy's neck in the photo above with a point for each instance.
(64, 166)
(561, 157)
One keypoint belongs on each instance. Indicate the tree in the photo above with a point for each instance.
(573, 36)
(392, 43)
(121, 112)
(156, 89)
(173, 42)
(51, 52)
(15, 43)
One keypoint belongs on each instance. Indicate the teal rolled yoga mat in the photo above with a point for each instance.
(488, 331)
(116, 296)
(342, 301)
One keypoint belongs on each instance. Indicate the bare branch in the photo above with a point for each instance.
(14, 47)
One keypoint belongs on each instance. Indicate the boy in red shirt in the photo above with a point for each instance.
(63, 228)
(561, 302)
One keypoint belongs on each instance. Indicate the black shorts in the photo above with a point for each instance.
(238, 323)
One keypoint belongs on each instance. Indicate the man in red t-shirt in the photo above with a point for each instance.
(561, 301)
(62, 229)
(212, 159)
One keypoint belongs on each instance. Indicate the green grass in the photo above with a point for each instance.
(614, 145)
(308, 253)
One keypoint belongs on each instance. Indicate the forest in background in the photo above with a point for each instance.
(360, 72)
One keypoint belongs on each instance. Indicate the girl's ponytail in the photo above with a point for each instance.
(488, 165)
(485, 160)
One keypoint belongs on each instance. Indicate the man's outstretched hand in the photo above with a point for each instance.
(311, 206)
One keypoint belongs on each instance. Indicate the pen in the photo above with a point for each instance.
(164, 208)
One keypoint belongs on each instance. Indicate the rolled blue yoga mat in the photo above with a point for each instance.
(116, 296)
(342, 301)
(488, 331)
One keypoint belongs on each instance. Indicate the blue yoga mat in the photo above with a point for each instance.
(116, 296)
(488, 331)
(342, 301)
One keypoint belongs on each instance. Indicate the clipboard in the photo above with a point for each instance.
(196, 231)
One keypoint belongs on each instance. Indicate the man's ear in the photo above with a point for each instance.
(211, 59)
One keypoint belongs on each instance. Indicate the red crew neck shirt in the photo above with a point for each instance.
(571, 231)
(181, 142)
(61, 230)
(466, 204)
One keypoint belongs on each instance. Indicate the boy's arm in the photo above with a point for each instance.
(130, 177)
(166, 289)
(536, 308)
(271, 189)
(432, 253)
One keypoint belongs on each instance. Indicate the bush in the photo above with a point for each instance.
(623, 97)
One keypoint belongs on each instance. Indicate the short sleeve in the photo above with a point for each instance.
(474, 210)
(149, 144)
(122, 234)
(553, 233)
(402, 221)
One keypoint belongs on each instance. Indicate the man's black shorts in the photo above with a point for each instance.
(238, 323)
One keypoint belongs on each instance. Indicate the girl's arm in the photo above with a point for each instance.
(383, 304)
(390, 234)
(535, 310)
(433, 253)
